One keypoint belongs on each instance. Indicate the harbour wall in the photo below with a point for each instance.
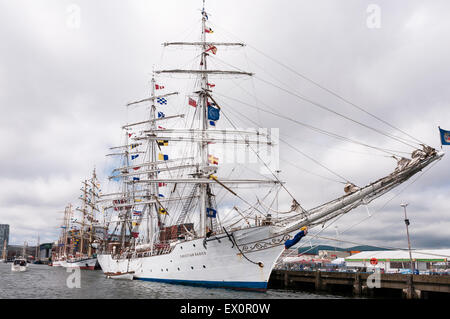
(376, 285)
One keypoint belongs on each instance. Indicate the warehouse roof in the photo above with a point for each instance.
(315, 249)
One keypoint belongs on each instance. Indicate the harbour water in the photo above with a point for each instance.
(44, 282)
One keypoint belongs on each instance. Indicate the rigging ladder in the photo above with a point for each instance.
(187, 206)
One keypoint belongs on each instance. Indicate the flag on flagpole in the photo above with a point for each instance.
(161, 101)
(163, 143)
(192, 102)
(162, 211)
(211, 85)
(445, 136)
(161, 114)
(159, 87)
(204, 14)
(210, 212)
(162, 184)
(163, 157)
(212, 48)
(134, 156)
(161, 128)
(213, 113)
(135, 234)
(213, 160)
(209, 30)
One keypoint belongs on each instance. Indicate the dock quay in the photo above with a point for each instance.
(359, 284)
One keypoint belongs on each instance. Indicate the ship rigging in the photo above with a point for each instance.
(167, 220)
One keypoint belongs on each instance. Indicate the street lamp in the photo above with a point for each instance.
(407, 234)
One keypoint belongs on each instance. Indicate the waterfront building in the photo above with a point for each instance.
(45, 251)
(398, 261)
(4, 235)
(333, 254)
(15, 251)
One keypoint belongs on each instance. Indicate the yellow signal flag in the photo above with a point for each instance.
(213, 160)
(163, 143)
(163, 157)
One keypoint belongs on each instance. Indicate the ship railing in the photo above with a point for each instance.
(155, 252)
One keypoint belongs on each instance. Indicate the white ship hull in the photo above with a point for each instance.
(88, 264)
(123, 276)
(219, 265)
(18, 268)
(58, 263)
(19, 265)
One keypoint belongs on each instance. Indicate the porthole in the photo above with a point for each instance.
(204, 266)
(178, 269)
(193, 245)
(192, 267)
(167, 269)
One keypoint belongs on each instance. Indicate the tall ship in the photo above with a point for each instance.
(59, 252)
(180, 215)
(82, 230)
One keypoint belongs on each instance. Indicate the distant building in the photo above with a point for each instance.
(398, 260)
(15, 251)
(333, 254)
(45, 251)
(4, 235)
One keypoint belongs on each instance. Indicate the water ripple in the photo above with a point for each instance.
(44, 282)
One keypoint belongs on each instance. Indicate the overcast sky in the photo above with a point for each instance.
(67, 69)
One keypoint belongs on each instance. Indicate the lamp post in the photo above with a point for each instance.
(407, 234)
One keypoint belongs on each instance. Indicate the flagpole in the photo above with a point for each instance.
(440, 136)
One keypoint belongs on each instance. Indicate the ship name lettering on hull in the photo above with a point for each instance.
(201, 253)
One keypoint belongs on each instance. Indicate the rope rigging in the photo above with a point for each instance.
(388, 151)
(364, 219)
(343, 180)
(323, 107)
(295, 207)
(332, 93)
(256, 153)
